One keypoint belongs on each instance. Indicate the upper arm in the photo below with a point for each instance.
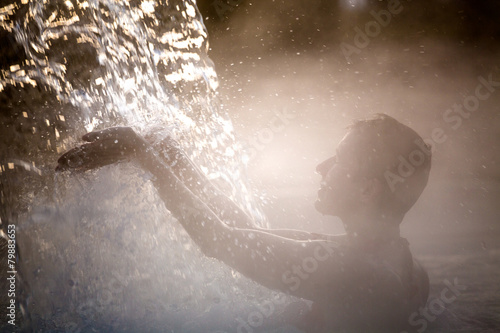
(292, 266)
(297, 234)
(300, 268)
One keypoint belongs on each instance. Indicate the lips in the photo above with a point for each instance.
(322, 191)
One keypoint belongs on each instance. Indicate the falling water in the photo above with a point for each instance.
(142, 64)
(99, 251)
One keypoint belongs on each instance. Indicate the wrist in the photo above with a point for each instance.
(146, 156)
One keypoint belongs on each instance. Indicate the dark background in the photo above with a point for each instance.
(305, 25)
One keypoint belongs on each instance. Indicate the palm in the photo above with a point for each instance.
(102, 148)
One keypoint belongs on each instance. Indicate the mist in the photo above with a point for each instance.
(426, 61)
(287, 57)
(290, 76)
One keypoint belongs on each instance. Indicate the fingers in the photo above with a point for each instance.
(104, 147)
(108, 133)
(72, 159)
(88, 156)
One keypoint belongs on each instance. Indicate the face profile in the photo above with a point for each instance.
(339, 186)
(371, 150)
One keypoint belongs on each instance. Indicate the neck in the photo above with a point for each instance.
(372, 228)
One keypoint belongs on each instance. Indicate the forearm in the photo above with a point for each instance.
(187, 172)
(260, 255)
(227, 211)
(230, 213)
(296, 234)
(200, 222)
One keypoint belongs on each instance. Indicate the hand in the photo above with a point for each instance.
(104, 147)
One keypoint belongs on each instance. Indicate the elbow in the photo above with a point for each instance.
(215, 247)
(208, 251)
(209, 247)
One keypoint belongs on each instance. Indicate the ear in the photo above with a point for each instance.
(371, 190)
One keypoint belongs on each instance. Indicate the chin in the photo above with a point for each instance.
(322, 207)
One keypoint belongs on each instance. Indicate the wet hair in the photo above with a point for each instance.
(396, 155)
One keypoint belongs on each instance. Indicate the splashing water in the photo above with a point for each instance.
(99, 250)
(145, 63)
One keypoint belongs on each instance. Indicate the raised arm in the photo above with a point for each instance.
(226, 209)
(169, 152)
(271, 260)
(274, 258)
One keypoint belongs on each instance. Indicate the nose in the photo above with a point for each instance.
(325, 166)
